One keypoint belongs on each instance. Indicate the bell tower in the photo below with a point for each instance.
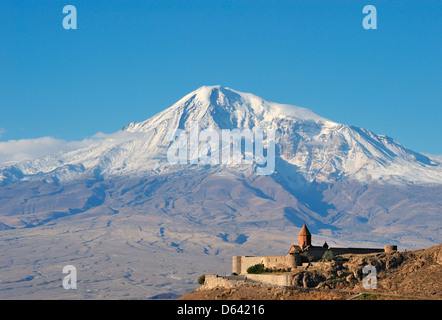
(304, 237)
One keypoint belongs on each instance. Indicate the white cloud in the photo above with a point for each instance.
(2, 131)
(30, 149)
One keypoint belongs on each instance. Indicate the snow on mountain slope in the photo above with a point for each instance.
(315, 147)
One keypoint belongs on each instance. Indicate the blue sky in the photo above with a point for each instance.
(128, 60)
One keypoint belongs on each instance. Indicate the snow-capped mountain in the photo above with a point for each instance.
(136, 225)
(317, 148)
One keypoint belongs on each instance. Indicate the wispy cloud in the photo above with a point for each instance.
(30, 149)
(2, 132)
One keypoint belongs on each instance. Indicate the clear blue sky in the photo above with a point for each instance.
(128, 60)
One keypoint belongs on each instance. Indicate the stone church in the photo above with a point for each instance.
(297, 253)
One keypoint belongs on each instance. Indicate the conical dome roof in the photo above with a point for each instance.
(304, 231)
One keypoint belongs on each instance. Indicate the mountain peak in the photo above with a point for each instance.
(245, 104)
(307, 143)
(209, 88)
(211, 95)
(205, 92)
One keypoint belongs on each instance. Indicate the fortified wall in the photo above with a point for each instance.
(289, 261)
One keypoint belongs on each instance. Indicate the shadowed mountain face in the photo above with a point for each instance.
(135, 222)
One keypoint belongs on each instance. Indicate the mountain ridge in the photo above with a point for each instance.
(318, 148)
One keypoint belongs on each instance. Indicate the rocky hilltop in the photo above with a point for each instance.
(400, 275)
